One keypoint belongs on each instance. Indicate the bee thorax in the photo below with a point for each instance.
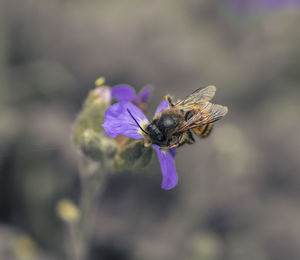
(167, 122)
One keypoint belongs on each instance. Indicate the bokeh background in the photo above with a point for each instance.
(238, 195)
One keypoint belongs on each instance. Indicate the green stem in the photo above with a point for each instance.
(92, 185)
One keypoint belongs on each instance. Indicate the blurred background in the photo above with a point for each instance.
(238, 195)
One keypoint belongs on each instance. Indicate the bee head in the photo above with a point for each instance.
(155, 134)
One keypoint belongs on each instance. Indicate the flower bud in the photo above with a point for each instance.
(205, 246)
(25, 248)
(99, 81)
(92, 114)
(67, 210)
(133, 156)
(97, 146)
(101, 94)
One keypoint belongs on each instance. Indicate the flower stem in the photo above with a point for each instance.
(92, 187)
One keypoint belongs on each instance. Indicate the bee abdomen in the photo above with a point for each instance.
(204, 130)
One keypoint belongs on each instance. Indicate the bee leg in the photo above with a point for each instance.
(167, 97)
(190, 138)
(187, 138)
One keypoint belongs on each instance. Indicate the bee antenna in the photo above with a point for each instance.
(136, 122)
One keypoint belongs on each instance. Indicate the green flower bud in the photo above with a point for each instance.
(205, 246)
(92, 114)
(133, 156)
(120, 153)
(24, 248)
(97, 146)
(67, 210)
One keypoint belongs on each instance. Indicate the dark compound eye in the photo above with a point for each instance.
(154, 132)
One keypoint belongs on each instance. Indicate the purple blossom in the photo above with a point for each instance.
(167, 163)
(118, 121)
(127, 93)
(124, 118)
(257, 5)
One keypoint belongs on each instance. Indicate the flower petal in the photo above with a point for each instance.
(260, 5)
(144, 94)
(118, 121)
(102, 94)
(162, 106)
(167, 164)
(123, 92)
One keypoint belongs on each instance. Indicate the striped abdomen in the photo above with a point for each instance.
(203, 130)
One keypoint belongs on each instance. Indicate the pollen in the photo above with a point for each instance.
(143, 125)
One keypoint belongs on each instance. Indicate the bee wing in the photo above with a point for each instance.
(208, 114)
(200, 97)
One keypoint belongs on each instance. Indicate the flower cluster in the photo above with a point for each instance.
(119, 153)
(260, 5)
(110, 129)
(124, 118)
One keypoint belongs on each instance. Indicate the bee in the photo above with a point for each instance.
(175, 125)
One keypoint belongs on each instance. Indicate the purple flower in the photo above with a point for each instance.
(124, 118)
(127, 93)
(256, 5)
